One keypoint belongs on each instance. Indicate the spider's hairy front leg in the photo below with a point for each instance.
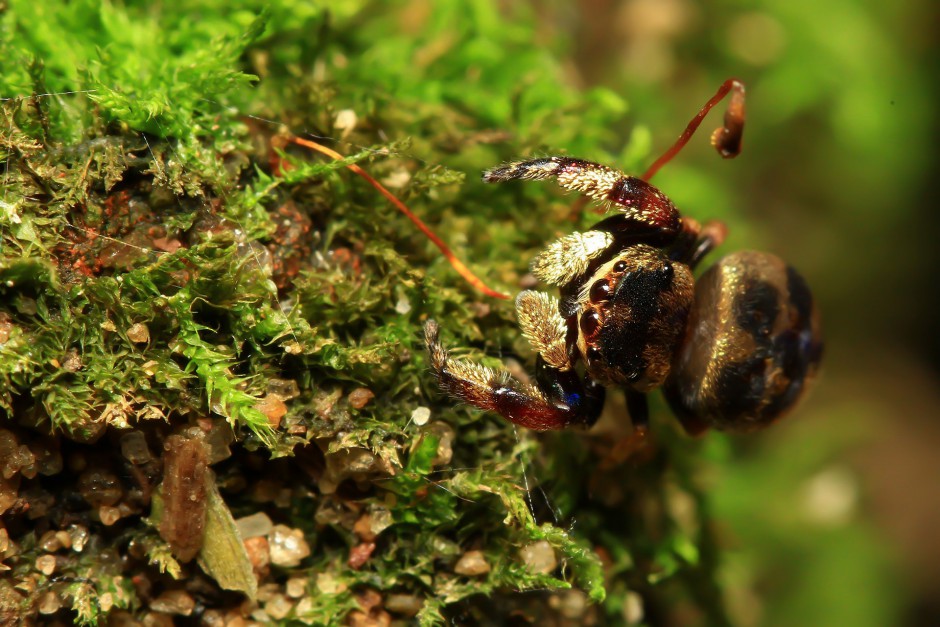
(544, 327)
(560, 399)
(642, 203)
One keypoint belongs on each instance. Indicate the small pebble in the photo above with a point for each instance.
(65, 540)
(403, 306)
(177, 602)
(397, 178)
(267, 591)
(345, 122)
(255, 525)
(380, 519)
(472, 564)
(6, 326)
(571, 604)
(9, 493)
(158, 619)
(72, 361)
(219, 437)
(368, 599)
(288, 546)
(360, 554)
(633, 608)
(404, 604)
(233, 619)
(360, 397)
(259, 552)
(285, 389)
(278, 607)
(358, 618)
(48, 459)
(109, 515)
(138, 333)
(539, 557)
(420, 416)
(273, 408)
(49, 603)
(304, 607)
(296, 587)
(134, 448)
(328, 584)
(8, 444)
(445, 442)
(79, 535)
(363, 528)
(50, 542)
(45, 564)
(19, 459)
(100, 487)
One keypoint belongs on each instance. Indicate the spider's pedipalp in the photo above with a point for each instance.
(569, 256)
(544, 327)
(561, 398)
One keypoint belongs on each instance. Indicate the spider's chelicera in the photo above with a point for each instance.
(732, 350)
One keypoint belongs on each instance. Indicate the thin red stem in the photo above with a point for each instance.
(727, 139)
(458, 265)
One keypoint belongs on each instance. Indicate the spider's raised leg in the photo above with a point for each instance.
(647, 208)
(560, 399)
(544, 327)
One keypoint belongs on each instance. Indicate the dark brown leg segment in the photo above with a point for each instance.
(560, 400)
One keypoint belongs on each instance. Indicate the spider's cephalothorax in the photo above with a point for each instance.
(733, 350)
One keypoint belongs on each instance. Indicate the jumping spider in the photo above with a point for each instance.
(733, 350)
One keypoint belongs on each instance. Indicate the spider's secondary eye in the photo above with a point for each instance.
(590, 322)
(600, 291)
(620, 266)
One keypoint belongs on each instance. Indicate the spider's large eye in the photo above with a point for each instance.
(600, 291)
(590, 323)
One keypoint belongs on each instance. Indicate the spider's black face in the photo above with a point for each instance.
(633, 312)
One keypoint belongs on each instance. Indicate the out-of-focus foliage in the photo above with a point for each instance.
(164, 267)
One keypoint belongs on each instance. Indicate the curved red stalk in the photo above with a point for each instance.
(458, 265)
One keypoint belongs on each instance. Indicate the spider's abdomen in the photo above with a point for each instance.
(752, 344)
